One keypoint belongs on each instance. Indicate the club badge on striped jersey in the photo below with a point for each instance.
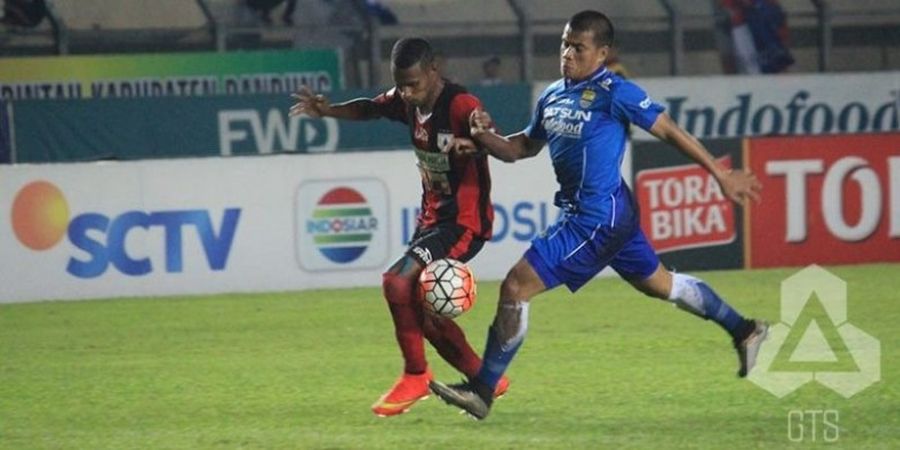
(443, 140)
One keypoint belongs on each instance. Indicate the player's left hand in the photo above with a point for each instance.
(460, 146)
(740, 186)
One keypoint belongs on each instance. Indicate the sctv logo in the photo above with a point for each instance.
(41, 217)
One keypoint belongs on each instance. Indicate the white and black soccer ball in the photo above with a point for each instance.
(447, 288)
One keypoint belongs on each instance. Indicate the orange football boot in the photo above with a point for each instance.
(409, 389)
(502, 387)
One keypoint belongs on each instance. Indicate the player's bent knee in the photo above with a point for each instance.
(397, 288)
(658, 285)
(518, 283)
(431, 328)
(644, 290)
(656, 292)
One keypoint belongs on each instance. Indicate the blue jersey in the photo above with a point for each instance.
(586, 125)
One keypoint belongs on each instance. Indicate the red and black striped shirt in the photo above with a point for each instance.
(455, 188)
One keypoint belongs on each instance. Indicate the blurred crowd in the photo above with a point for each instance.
(758, 37)
(753, 35)
(23, 13)
(262, 9)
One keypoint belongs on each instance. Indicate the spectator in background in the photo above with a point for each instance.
(491, 71)
(263, 10)
(759, 37)
(383, 13)
(23, 13)
(288, 16)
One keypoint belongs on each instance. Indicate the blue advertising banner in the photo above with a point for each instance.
(167, 127)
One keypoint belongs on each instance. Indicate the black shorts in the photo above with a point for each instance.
(444, 241)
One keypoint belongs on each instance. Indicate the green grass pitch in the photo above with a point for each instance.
(606, 368)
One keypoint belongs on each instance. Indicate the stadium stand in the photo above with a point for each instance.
(656, 37)
(104, 15)
(29, 41)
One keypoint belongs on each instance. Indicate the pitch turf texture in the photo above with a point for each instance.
(606, 368)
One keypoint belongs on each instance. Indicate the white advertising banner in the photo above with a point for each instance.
(737, 106)
(243, 224)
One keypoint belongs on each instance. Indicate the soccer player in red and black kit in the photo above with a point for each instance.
(456, 213)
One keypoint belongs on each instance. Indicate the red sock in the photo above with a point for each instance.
(398, 291)
(450, 342)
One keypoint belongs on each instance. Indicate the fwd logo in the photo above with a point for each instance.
(245, 131)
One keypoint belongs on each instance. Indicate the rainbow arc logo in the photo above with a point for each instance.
(341, 224)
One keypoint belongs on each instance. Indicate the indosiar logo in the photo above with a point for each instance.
(41, 217)
(341, 224)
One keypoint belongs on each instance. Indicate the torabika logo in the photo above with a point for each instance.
(342, 225)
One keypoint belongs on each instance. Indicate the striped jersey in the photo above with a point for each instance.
(455, 188)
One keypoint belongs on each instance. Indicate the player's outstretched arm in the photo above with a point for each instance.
(738, 185)
(317, 105)
(505, 148)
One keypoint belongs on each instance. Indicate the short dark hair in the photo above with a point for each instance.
(596, 21)
(408, 52)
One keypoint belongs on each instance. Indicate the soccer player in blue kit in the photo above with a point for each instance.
(585, 117)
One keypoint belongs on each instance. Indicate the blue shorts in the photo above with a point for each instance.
(573, 251)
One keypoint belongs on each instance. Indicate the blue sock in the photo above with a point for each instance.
(496, 359)
(695, 296)
(719, 311)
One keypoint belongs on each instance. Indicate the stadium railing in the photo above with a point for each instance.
(658, 37)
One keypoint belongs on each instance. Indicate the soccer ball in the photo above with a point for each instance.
(447, 288)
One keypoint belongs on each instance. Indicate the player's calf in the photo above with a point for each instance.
(695, 296)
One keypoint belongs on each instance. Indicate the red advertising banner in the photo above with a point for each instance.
(826, 200)
(682, 207)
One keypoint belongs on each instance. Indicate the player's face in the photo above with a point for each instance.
(416, 84)
(579, 56)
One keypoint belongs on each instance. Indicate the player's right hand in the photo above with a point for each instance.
(479, 122)
(308, 103)
(740, 186)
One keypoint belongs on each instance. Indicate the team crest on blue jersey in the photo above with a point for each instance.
(587, 97)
